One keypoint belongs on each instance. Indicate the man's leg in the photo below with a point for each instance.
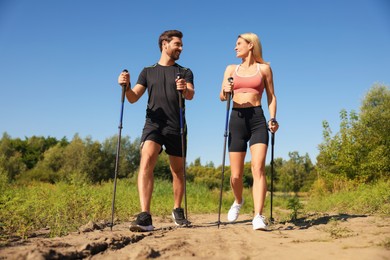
(149, 155)
(176, 165)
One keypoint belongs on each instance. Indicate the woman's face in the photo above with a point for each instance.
(242, 48)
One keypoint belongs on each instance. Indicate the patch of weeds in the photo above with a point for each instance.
(295, 206)
(311, 240)
(336, 231)
(385, 243)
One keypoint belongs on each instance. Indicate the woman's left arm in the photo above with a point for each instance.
(271, 98)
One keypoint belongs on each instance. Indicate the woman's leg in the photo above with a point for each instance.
(237, 170)
(259, 189)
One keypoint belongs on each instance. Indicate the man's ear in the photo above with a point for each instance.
(165, 44)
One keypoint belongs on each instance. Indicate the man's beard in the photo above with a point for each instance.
(175, 55)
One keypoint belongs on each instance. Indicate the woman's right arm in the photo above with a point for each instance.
(226, 86)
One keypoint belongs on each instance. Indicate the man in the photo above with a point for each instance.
(162, 124)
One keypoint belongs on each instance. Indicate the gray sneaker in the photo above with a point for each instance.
(179, 218)
(142, 223)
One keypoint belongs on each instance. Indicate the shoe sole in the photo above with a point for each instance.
(233, 220)
(261, 228)
(138, 228)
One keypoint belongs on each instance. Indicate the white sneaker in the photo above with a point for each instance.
(259, 223)
(234, 211)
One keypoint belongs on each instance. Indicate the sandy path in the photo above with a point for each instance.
(327, 237)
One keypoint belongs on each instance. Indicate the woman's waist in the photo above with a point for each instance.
(244, 100)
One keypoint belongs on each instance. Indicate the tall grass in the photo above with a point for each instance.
(64, 207)
(364, 199)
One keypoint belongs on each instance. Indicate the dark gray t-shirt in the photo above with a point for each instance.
(163, 110)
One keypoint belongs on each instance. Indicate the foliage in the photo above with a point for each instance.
(77, 161)
(296, 174)
(361, 150)
(64, 207)
(162, 169)
(208, 176)
(129, 155)
(361, 199)
(11, 161)
(295, 206)
(86, 161)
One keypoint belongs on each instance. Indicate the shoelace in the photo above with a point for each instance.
(236, 206)
(143, 217)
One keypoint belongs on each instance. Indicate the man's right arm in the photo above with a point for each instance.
(133, 94)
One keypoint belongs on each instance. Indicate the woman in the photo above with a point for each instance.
(247, 122)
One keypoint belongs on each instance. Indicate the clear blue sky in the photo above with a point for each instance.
(59, 63)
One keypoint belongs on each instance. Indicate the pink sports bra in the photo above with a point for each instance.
(248, 84)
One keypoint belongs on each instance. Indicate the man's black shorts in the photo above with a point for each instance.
(171, 141)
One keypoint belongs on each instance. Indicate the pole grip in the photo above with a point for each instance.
(179, 76)
(229, 94)
(124, 88)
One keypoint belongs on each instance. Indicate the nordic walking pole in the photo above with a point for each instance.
(179, 76)
(230, 79)
(118, 149)
(272, 170)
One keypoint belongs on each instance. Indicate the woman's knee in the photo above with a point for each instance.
(258, 170)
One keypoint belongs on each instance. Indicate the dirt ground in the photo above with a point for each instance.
(331, 236)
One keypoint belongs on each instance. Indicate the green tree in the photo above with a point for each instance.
(196, 162)
(129, 156)
(11, 160)
(360, 151)
(162, 169)
(74, 162)
(296, 173)
(372, 131)
(208, 175)
(47, 169)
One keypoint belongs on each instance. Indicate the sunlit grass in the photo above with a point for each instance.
(63, 207)
(365, 199)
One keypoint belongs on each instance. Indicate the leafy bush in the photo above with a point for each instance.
(361, 150)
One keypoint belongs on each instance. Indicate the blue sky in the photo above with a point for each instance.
(59, 63)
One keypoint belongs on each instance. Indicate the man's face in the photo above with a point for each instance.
(173, 48)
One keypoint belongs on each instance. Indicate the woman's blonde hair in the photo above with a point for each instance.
(257, 49)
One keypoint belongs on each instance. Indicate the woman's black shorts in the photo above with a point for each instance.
(247, 124)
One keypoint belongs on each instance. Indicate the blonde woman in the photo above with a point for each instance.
(248, 124)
